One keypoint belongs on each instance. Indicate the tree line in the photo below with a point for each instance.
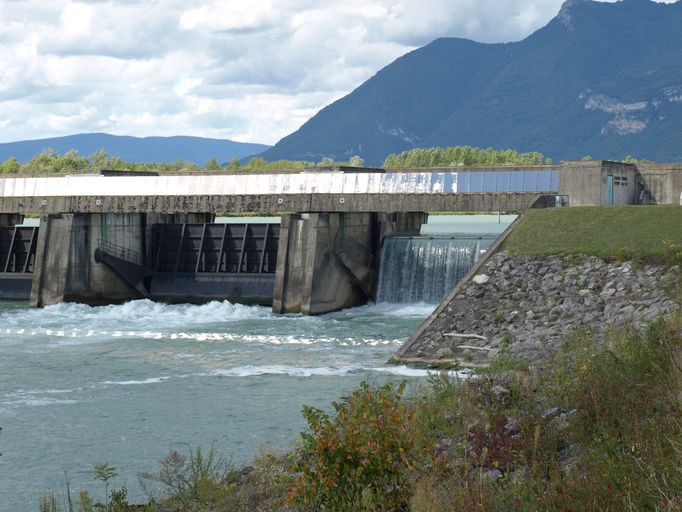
(463, 156)
(49, 161)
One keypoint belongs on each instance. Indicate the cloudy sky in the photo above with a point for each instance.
(247, 70)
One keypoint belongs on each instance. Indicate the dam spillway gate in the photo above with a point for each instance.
(17, 258)
(192, 262)
(309, 263)
(215, 248)
(185, 262)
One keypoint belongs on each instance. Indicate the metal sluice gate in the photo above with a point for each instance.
(17, 258)
(227, 248)
(17, 249)
(200, 262)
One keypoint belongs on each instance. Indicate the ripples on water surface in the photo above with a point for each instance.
(124, 384)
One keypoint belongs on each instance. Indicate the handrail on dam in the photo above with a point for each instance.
(120, 252)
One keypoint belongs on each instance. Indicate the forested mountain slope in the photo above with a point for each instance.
(601, 79)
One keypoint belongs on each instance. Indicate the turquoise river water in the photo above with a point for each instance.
(125, 384)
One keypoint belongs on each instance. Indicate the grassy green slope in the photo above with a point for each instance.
(604, 231)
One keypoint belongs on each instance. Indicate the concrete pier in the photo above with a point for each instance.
(65, 269)
(329, 261)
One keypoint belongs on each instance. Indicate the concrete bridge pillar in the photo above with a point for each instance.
(65, 269)
(329, 261)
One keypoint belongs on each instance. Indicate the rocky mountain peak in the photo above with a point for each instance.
(565, 13)
(602, 80)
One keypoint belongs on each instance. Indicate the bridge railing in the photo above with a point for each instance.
(120, 252)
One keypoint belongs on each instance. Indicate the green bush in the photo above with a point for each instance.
(359, 458)
(672, 252)
(265, 485)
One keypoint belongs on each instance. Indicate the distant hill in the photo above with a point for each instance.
(135, 149)
(601, 79)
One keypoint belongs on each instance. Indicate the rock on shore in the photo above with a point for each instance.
(526, 306)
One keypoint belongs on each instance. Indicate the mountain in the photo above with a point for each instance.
(601, 79)
(135, 149)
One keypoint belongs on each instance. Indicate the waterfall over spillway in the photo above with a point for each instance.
(425, 269)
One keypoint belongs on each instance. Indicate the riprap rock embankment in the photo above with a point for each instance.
(527, 306)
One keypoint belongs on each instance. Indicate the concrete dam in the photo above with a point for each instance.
(112, 237)
(237, 262)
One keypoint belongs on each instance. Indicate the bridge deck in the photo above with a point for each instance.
(446, 190)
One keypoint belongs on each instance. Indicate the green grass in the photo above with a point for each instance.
(610, 232)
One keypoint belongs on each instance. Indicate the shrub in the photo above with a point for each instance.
(197, 481)
(359, 458)
(599, 428)
(264, 486)
(48, 503)
(672, 252)
(628, 420)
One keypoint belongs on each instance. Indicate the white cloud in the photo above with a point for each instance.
(249, 70)
(230, 15)
(76, 20)
(185, 85)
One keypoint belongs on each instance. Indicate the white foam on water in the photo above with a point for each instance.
(403, 371)
(296, 371)
(407, 371)
(78, 338)
(291, 371)
(51, 391)
(419, 309)
(40, 402)
(61, 318)
(151, 380)
(23, 394)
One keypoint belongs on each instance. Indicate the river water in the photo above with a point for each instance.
(125, 384)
